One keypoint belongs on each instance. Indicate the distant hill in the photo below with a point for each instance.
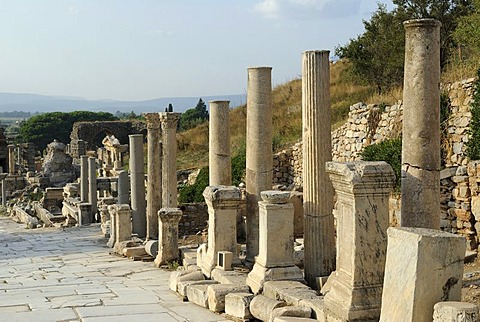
(42, 103)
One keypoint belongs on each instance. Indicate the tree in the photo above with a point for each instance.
(467, 33)
(194, 116)
(377, 56)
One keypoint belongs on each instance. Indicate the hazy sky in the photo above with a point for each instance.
(143, 49)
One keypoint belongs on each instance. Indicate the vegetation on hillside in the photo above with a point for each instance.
(193, 116)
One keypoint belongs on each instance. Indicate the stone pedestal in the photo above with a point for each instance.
(169, 163)
(11, 159)
(423, 267)
(319, 229)
(168, 219)
(85, 214)
(113, 227)
(275, 260)
(4, 193)
(123, 188)
(123, 224)
(421, 125)
(223, 203)
(154, 183)
(84, 178)
(220, 165)
(455, 312)
(363, 190)
(137, 185)
(259, 164)
(92, 186)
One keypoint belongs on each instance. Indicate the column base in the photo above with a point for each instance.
(259, 275)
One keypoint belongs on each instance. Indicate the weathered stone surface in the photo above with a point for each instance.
(228, 277)
(292, 319)
(262, 307)
(424, 265)
(134, 251)
(291, 292)
(217, 293)
(292, 311)
(168, 219)
(137, 186)
(169, 122)
(219, 144)
(84, 178)
(92, 188)
(182, 286)
(237, 305)
(57, 165)
(455, 312)
(198, 294)
(259, 164)
(181, 276)
(317, 306)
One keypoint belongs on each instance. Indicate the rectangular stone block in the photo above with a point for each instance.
(182, 287)
(455, 311)
(217, 293)
(224, 260)
(237, 305)
(179, 276)
(198, 294)
(423, 267)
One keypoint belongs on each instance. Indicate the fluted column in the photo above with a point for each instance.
(154, 183)
(421, 125)
(220, 166)
(319, 231)
(137, 185)
(259, 165)
(84, 178)
(169, 163)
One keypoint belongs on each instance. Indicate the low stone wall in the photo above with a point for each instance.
(194, 218)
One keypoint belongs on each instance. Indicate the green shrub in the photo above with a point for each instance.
(194, 193)
(389, 151)
(473, 145)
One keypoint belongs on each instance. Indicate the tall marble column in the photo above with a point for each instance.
(11, 159)
(421, 125)
(92, 186)
(137, 185)
(169, 163)
(84, 178)
(154, 183)
(259, 165)
(220, 165)
(319, 229)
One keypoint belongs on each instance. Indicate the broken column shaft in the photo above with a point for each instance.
(220, 172)
(137, 185)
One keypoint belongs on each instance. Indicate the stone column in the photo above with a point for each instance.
(84, 178)
(168, 219)
(423, 267)
(123, 188)
(11, 159)
(275, 260)
(223, 203)
(113, 227)
(92, 186)
(169, 164)
(220, 165)
(259, 165)
(137, 186)
(421, 125)
(363, 190)
(154, 183)
(319, 229)
(4, 193)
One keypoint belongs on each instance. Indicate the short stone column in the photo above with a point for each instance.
(92, 186)
(319, 229)
(137, 186)
(223, 203)
(4, 192)
(363, 190)
(123, 185)
(169, 164)
(123, 225)
(220, 165)
(113, 227)
(455, 312)
(421, 125)
(168, 219)
(259, 164)
(154, 183)
(423, 267)
(11, 159)
(275, 260)
(84, 178)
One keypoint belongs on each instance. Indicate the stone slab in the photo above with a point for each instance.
(228, 277)
(217, 293)
(237, 305)
(198, 294)
(262, 307)
(293, 311)
(182, 287)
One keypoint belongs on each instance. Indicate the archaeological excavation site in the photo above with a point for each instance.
(96, 231)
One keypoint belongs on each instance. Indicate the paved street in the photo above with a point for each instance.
(48, 274)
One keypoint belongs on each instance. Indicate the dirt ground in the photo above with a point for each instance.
(471, 282)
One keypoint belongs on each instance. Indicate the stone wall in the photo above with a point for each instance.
(194, 218)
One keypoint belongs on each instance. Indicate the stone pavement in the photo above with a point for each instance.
(49, 274)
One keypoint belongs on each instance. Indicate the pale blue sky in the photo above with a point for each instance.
(144, 49)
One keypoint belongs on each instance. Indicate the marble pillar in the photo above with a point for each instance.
(363, 190)
(84, 178)
(259, 164)
(421, 125)
(220, 165)
(123, 188)
(168, 219)
(92, 186)
(154, 182)
(137, 186)
(11, 159)
(319, 229)
(169, 163)
(223, 203)
(275, 260)
(4, 192)
(423, 267)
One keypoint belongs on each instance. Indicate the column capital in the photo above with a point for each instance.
(152, 120)
(275, 197)
(222, 193)
(169, 119)
(170, 215)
